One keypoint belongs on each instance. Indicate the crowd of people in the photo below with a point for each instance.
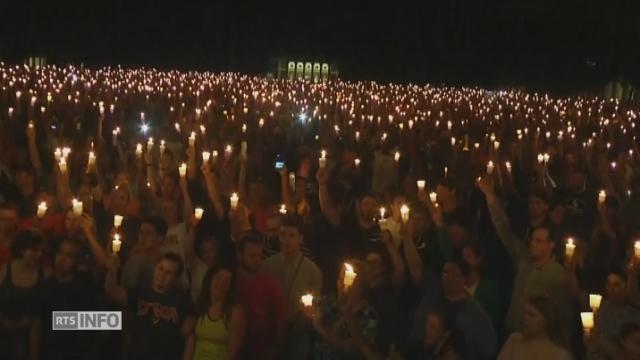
(237, 217)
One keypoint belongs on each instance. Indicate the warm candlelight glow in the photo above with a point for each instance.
(490, 167)
(116, 243)
(77, 207)
(198, 212)
(397, 156)
(42, 209)
(594, 302)
(383, 211)
(307, 299)
(508, 166)
(357, 162)
(569, 248)
(183, 170)
(234, 201)
(139, 150)
(192, 138)
(117, 221)
(433, 196)
(349, 276)
(636, 249)
(602, 196)
(150, 145)
(206, 155)
(323, 159)
(421, 184)
(92, 158)
(404, 213)
(283, 209)
(587, 320)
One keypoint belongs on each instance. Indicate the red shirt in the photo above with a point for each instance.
(264, 304)
(51, 224)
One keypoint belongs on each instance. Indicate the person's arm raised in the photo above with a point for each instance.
(327, 205)
(414, 262)
(111, 287)
(89, 229)
(397, 278)
(499, 218)
(211, 182)
(34, 155)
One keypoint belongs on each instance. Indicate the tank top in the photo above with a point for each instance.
(18, 301)
(212, 338)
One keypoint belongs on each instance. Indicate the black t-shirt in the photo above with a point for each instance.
(79, 294)
(357, 240)
(155, 321)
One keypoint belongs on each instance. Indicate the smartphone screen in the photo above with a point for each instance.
(279, 162)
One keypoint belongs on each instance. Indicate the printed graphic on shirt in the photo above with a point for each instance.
(158, 311)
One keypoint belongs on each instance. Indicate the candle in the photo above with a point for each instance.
(244, 128)
(508, 166)
(139, 150)
(446, 172)
(397, 156)
(77, 207)
(421, 184)
(117, 221)
(349, 276)
(63, 165)
(177, 126)
(214, 155)
(292, 180)
(183, 170)
(116, 243)
(357, 162)
(404, 213)
(540, 158)
(496, 145)
(602, 196)
(42, 209)
(613, 166)
(307, 299)
(546, 158)
(198, 212)
(57, 154)
(228, 151)
(30, 124)
(261, 123)
(323, 159)
(162, 146)
(65, 152)
(283, 209)
(192, 138)
(206, 155)
(234, 201)
(92, 158)
(587, 320)
(490, 167)
(636, 249)
(357, 135)
(594, 302)
(383, 211)
(203, 129)
(569, 248)
(150, 145)
(433, 196)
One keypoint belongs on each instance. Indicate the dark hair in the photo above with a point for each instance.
(548, 310)
(292, 221)
(251, 237)
(158, 224)
(204, 299)
(174, 258)
(25, 240)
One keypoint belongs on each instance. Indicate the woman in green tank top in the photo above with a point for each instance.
(220, 324)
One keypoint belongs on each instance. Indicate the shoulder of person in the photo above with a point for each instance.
(515, 338)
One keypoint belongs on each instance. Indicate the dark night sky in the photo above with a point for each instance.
(539, 43)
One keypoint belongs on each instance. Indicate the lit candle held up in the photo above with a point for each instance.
(636, 249)
(283, 209)
(508, 166)
(433, 196)
(396, 157)
(404, 213)
(490, 167)
(117, 221)
(421, 184)
(192, 138)
(322, 162)
(206, 155)
(42, 209)
(63, 165)
(183, 170)
(307, 300)
(77, 207)
(594, 302)
(357, 162)
(139, 150)
(602, 196)
(383, 211)
(587, 321)
(349, 276)
(92, 158)
(198, 212)
(234, 201)
(116, 243)
(569, 248)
